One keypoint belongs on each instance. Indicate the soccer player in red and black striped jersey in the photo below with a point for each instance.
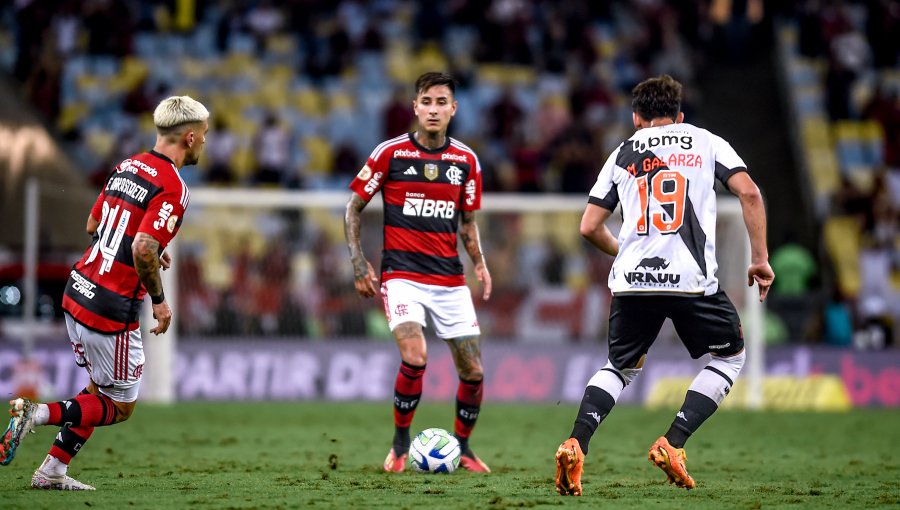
(137, 214)
(431, 188)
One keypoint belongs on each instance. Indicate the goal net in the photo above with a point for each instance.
(272, 264)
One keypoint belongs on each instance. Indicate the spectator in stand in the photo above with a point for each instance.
(43, 83)
(220, 149)
(505, 116)
(397, 117)
(272, 148)
(791, 299)
(263, 21)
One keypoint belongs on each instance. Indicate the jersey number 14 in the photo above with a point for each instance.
(669, 189)
(110, 232)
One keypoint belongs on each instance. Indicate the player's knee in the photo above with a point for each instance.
(470, 373)
(124, 410)
(730, 365)
(414, 356)
(630, 374)
(613, 380)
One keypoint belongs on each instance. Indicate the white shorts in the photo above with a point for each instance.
(450, 309)
(114, 362)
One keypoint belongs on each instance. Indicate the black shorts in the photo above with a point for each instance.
(705, 324)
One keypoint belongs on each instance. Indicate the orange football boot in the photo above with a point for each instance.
(569, 466)
(671, 460)
(395, 463)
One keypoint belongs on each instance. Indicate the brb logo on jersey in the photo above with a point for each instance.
(652, 279)
(417, 205)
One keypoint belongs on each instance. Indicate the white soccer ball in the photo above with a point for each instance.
(434, 451)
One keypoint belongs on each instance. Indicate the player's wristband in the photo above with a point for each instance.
(158, 299)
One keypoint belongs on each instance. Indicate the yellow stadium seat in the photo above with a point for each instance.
(70, 116)
(309, 102)
(842, 241)
(320, 155)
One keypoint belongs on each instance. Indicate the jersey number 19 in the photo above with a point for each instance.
(669, 189)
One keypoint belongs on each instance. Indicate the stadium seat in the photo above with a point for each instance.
(842, 241)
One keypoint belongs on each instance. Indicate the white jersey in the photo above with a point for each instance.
(663, 176)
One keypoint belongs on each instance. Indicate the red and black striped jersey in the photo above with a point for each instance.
(423, 191)
(143, 194)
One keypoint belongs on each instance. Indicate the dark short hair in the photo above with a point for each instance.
(432, 78)
(656, 98)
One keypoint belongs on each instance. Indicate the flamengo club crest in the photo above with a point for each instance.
(455, 175)
(431, 171)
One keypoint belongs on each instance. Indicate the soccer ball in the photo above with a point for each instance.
(435, 451)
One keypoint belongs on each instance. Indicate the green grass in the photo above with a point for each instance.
(328, 455)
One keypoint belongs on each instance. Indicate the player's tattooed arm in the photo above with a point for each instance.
(145, 251)
(468, 232)
(467, 357)
(363, 274)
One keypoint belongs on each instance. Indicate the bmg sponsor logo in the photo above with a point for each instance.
(685, 141)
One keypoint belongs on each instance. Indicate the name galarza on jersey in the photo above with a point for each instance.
(128, 187)
(82, 285)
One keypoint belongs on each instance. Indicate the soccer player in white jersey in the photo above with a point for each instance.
(431, 186)
(665, 267)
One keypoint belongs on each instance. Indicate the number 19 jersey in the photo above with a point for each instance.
(664, 178)
(143, 194)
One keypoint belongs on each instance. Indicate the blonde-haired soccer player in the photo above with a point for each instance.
(137, 214)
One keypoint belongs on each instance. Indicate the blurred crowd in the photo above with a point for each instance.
(302, 90)
(853, 52)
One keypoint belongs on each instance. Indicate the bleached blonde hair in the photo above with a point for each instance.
(175, 111)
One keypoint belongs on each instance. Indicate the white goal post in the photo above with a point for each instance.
(733, 253)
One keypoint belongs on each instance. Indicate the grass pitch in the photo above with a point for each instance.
(328, 455)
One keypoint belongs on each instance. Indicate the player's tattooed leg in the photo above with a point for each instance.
(466, 351)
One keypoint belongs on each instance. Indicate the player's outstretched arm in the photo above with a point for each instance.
(145, 251)
(364, 278)
(593, 228)
(468, 232)
(755, 219)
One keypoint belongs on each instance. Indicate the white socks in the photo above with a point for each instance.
(53, 467)
(41, 414)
